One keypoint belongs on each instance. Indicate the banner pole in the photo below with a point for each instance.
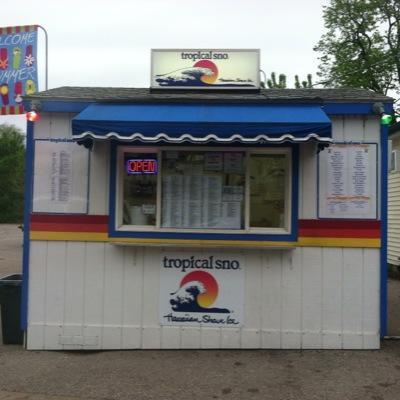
(47, 55)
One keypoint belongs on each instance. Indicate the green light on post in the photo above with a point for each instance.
(386, 119)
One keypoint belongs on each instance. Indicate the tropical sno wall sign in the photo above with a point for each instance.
(198, 289)
(205, 69)
(18, 66)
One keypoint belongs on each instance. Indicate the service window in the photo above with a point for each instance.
(205, 189)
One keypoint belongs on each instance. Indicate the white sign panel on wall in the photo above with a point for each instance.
(202, 289)
(60, 183)
(348, 181)
(205, 69)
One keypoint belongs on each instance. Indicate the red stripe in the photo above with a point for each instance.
(69, 219)
(9, 29)
(340, 233)
(18, 29)
(338, 224)
(49, 227)
(11, 110)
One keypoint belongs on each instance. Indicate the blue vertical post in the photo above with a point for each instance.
(27, 211)
(384, 214)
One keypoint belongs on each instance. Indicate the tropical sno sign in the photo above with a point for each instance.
(18, 68)
(202, 290)
(205, 69)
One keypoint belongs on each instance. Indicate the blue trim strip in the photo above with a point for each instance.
(60, 106)
(29, 157)
(329, 108)
(353, 108)
(384, 213)
(293, 236)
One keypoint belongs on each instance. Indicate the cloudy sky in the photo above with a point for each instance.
(107, 43)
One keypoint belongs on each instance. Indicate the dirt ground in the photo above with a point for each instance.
(205, 374)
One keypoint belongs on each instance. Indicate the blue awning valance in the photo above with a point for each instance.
(202, 123)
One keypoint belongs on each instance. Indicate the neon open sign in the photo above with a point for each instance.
(138, 166)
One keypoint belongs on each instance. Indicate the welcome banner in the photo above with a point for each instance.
(18, 67)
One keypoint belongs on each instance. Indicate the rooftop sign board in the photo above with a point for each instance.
(205, 69)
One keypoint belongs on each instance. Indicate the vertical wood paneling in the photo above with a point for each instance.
(150, 299)
(74, 284)
(338, 129)
(60, 126)
(311, 298)
(353, 129)
(251, 337)
(372, 129)
(42, 127)
(99, 179)
(55, 282)
(112, 303)
(37, 292)
(370, 312)
(291, 299)
(271, 299)
(291, 296)
(55, 292)
(332, 278)
(352, 298)
(308, 182)
(132, 297)
(94, 287)
(210, 338)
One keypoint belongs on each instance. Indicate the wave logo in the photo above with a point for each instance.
(197, 291)
(202, 73)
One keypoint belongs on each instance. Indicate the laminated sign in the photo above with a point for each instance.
(18, 67)
(202, 290)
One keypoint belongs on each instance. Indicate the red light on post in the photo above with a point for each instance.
(32, 116)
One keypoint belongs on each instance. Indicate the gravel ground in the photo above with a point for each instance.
(192, 374)
(260, 374)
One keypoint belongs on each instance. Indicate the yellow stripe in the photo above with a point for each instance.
(240, 243)
(338, 242)
(303, 241)
(70, 236)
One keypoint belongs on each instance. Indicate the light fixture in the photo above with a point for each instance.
(386, 119)
(33, 115)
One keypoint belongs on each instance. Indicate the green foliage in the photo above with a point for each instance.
(273, 84)
(304, 84)
(12, 155)
(281, 83)
(362, 45)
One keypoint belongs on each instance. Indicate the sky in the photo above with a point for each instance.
(108, 43)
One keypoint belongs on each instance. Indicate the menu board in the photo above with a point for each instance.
(60, 183)
(200, 201)
(348, 181)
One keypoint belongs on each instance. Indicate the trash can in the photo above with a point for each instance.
(10, 301)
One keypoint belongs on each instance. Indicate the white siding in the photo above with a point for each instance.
(58, 126)
(394, 218)
(344, 129)
(102, 296)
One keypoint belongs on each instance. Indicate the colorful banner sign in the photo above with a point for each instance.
(205, 69)
(18, 67)
(202, 290)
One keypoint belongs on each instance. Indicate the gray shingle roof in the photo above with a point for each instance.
(134, 95)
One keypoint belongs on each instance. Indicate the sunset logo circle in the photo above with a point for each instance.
(209, 79)
(210, 284)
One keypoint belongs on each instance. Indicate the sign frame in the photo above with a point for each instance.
(256, 86)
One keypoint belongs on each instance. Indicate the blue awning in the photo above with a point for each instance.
(202, 123)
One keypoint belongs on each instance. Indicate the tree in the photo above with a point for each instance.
(12, 154)
(362, 45)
